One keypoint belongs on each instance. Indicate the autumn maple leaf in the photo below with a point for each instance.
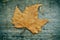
(28, 18)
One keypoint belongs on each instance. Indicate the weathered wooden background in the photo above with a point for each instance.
(51, 31)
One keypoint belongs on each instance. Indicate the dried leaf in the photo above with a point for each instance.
(28, 19)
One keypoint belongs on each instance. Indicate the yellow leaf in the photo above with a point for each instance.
(28, 18)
